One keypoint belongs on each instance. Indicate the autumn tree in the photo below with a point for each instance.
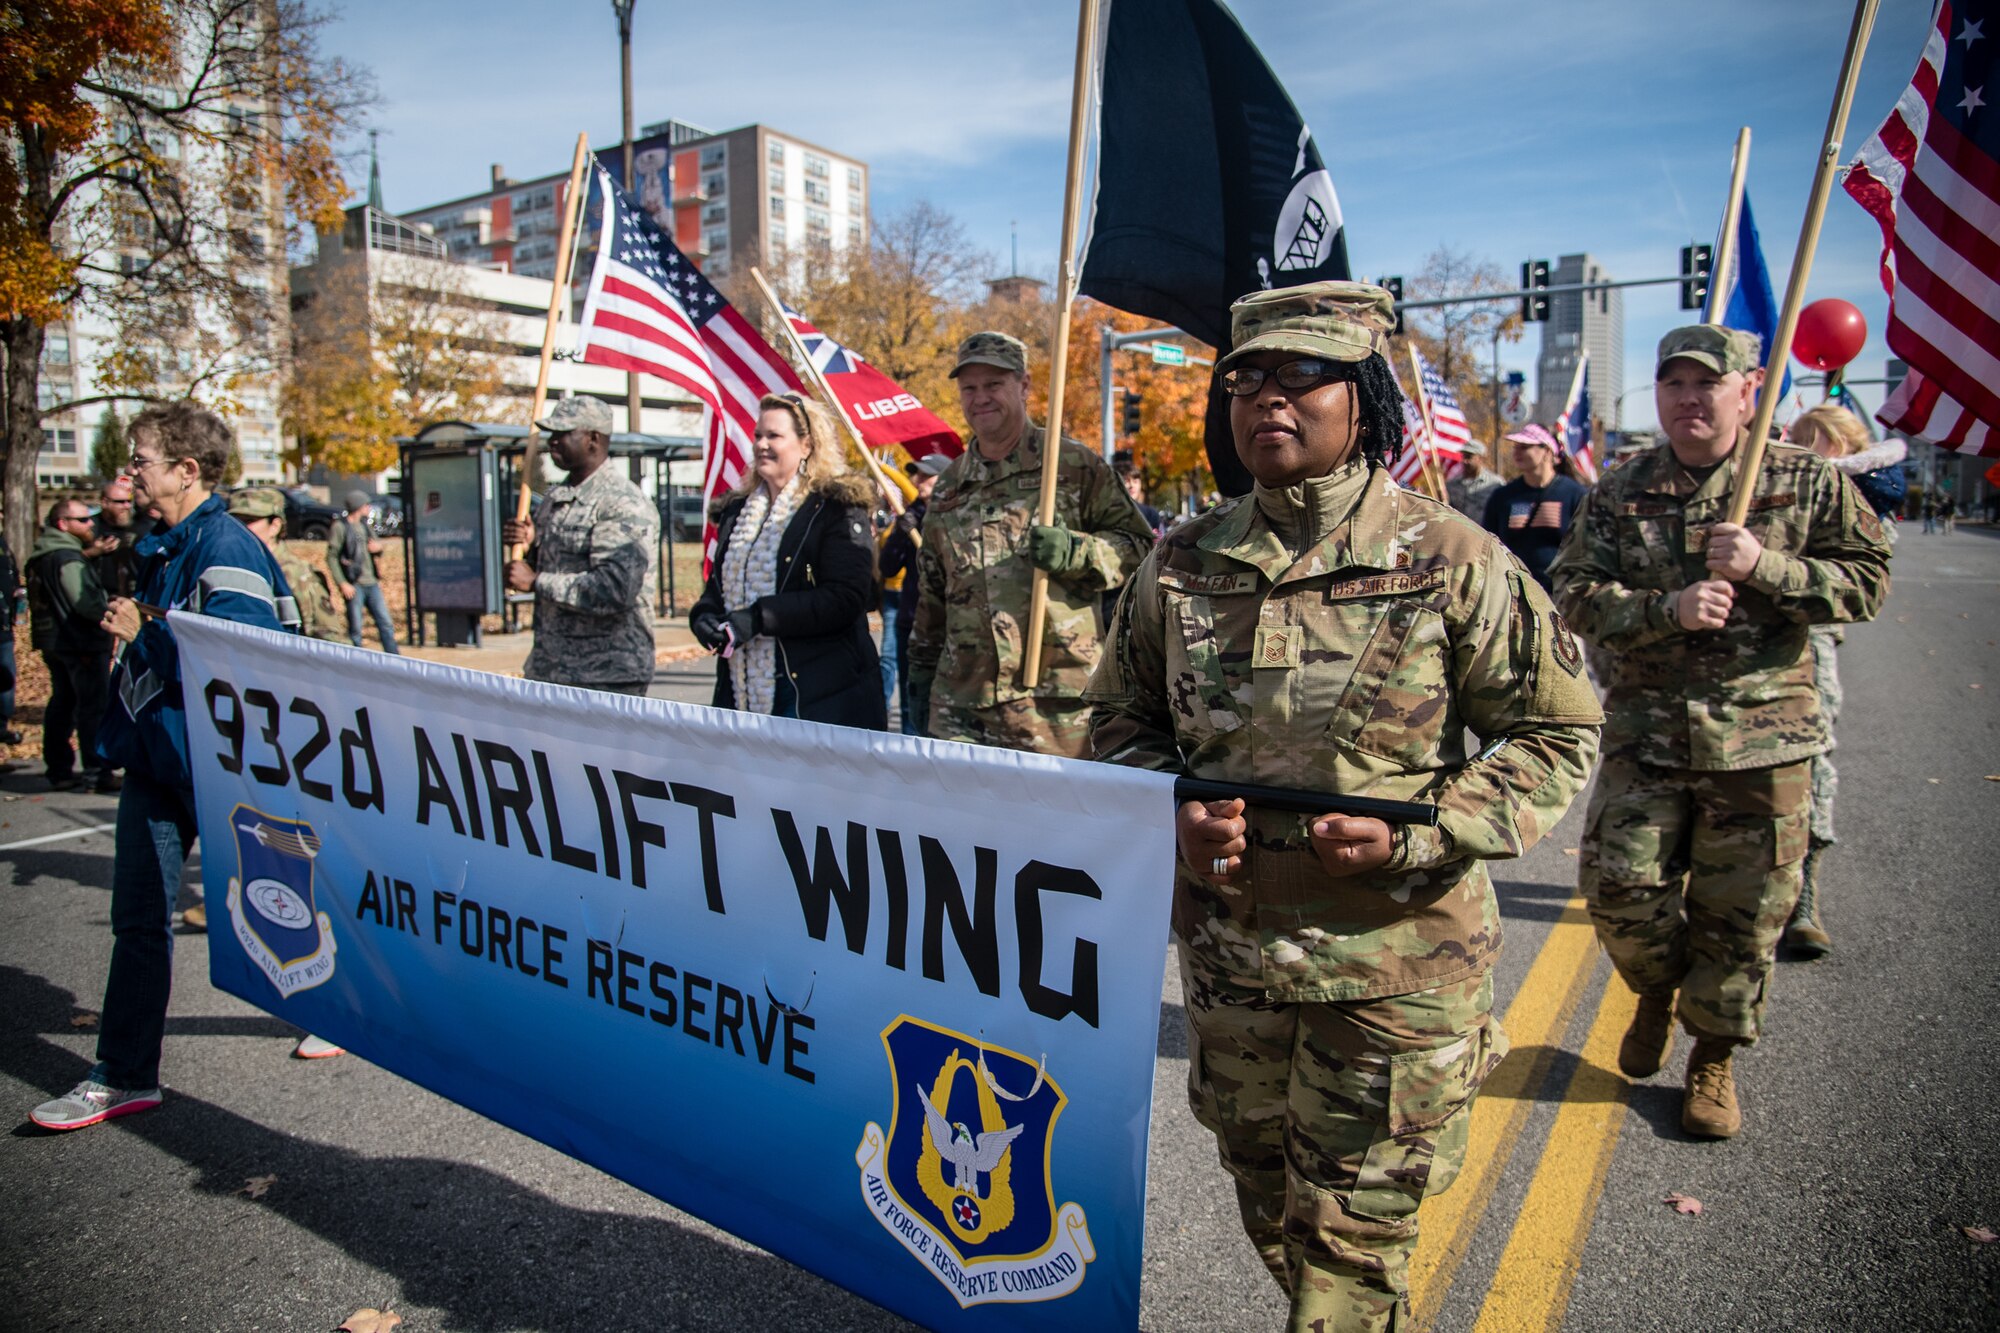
(384, 343)
(1459, 339)
(160, 158)
(1172, 399)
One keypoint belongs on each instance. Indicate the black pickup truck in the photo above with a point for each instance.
(307, 519)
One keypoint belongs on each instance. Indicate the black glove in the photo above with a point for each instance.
(746, 624)
(706, 626)
(920, 700)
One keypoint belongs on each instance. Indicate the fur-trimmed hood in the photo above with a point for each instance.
(852, 489)
(1874, 458)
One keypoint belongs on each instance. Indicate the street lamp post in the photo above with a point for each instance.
(623, 9)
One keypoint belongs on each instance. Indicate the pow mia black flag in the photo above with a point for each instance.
(1209, 185)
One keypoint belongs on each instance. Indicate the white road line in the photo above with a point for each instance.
(57, 837)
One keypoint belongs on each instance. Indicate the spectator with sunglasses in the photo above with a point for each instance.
(1333, 632)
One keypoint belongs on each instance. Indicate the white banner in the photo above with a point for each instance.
(727, 958)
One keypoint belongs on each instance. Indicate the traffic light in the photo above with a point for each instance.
(1535, 282)
(1697, 263)
(1129, 413)
(1394, 286)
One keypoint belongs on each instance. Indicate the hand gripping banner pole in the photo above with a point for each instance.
(558, 309)
(1802, 260)
(1066, 283)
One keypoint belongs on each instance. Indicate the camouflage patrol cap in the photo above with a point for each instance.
(258, 502)
(992, 348)
(579, 413)
(1721, 349)
(1341, 321)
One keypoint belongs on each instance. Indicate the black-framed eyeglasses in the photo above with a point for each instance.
(136, 465)
(1306, 372)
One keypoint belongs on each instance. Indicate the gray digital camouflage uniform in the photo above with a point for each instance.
(971, 612)
(1699, 819)
(1342, 636)
(596, 548)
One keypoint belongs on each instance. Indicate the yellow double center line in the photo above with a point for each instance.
(1535, 1022)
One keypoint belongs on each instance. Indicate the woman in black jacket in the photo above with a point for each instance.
(787, 598)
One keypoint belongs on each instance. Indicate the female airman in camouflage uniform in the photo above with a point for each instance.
(1333, 632)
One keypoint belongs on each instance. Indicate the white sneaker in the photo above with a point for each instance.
(316, 1048)
(89, 1102)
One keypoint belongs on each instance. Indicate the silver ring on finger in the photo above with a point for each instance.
(1220, 866)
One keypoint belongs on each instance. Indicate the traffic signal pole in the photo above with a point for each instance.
(1110, 341)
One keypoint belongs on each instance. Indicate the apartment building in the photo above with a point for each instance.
(728, 200)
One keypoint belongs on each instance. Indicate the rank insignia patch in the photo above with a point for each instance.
(962, 1179)
(271, 900)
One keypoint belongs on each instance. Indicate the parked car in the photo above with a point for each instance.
(308, 519)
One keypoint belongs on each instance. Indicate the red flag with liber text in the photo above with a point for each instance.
(882, 410)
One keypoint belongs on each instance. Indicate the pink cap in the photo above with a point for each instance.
(1534, 435)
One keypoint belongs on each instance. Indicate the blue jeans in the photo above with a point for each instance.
(891, 612)
(370, 596)
(156, 830)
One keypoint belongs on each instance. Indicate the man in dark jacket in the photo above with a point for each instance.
(203, 561)
(351, 549)
(67, 601)
(114, 548)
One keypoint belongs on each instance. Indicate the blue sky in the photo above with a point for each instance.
(1511, 131)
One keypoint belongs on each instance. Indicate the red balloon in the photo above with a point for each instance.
(1829, 334)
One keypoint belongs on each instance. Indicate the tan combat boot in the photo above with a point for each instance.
(1804, 934)
(1649, 1038)
(1709, 1109)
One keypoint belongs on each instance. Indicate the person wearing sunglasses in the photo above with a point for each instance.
(1333, 632)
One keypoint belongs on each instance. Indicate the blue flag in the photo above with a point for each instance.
(1750, 306)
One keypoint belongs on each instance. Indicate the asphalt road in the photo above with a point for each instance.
(1873, 1107)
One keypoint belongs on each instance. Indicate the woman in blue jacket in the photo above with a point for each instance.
(198, 559)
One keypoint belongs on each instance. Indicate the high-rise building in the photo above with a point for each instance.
(734, 198)
(1580, 321)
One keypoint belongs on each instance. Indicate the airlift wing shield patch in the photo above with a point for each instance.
(963, 1177)
(271, 905)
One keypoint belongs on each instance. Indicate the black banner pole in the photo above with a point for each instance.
(1306, 802)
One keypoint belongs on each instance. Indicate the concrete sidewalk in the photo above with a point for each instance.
(504, 654)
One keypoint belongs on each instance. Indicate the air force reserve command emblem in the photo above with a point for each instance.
(271, 900)
(963, 1177)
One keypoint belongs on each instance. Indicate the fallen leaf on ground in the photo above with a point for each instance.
(256, 1186)
(1934, 781)
(1993, 777)
(1902, 620)
(1975, 687)
(84, 1021)
(1684, 1203)
(370, 1321)
(1984, 1235)
(1569, 851)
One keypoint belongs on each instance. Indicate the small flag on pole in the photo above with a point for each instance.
(882, 410)
(1744, 296)
(1572, 429)
(1453, 432)
(1931, 178)
(651, 310)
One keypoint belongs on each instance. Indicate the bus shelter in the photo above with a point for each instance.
(459, 483)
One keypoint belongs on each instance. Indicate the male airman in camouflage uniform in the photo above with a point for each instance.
(590, 563)
(1340, 634)
(982, 545)
(1699, 820)
(262, 510)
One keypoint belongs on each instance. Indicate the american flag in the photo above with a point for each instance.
(1572, 429)
(1447, 450)
(651, 310)
(1931, 177)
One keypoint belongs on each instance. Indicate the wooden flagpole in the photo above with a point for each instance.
(1725, 242)
(1066, 279)
(558, 310)
(1802, 260)
(1427, 456)
(890, 490)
